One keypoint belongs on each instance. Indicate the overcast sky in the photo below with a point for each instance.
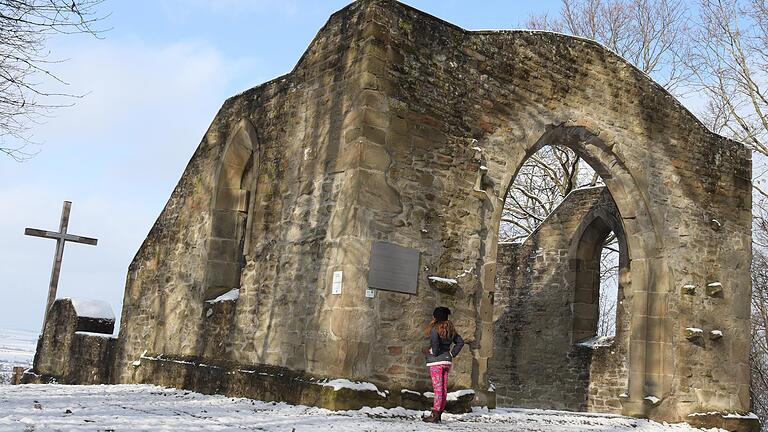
(152, 86)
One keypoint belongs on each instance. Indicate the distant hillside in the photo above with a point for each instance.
(17, 348)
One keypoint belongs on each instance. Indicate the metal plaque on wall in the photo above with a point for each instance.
(393, 268)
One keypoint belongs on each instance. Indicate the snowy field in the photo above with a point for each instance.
(121, 408)
(17, 348)
(118, 408)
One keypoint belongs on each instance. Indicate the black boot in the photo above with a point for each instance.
(434, 417)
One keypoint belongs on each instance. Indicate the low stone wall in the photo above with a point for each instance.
(67, 353)
(271, 383)
(18, 374)
(607, 378)
(729, 422)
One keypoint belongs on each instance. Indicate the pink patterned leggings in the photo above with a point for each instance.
(439, 375)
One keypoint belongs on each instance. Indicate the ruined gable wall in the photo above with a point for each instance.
(298, 119)
(393, 105)
(306, 186)
(441, 88)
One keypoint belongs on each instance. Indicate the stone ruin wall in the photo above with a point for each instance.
(509, 93)
(300, 119)
(538, 362)
(73, 348)
(316, 185)
(375, 136)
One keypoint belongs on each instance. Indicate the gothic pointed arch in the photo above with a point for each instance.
(229, 210)
(584, 263)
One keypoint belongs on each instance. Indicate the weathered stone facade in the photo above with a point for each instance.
(396, 126)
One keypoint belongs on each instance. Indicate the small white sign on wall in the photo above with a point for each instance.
(370, 293)
(336, 287)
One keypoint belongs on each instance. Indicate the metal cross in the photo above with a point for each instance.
(61, 237)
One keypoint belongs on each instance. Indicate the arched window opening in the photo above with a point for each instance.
(595, 290)
(609, 286)
(542, 183)
(229, 215)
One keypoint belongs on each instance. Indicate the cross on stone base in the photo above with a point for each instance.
(61, 238)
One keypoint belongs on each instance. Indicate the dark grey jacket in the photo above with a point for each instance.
(440, 349)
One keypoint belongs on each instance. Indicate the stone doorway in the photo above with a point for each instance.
(560, 338)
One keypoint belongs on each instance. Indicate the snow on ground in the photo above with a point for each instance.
(148, 408)
(118, 408)
(17, 348)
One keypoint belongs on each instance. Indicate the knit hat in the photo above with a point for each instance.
(441, 313)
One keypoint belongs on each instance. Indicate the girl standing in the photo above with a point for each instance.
(442, 335)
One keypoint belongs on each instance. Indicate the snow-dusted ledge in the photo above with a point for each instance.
(597, 342)
(342, 383)
(260, 381)
(101, 335)
(95, 309)
(446, 281)
(451, 396)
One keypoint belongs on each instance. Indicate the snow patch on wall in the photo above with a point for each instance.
(102, 335)
(451, 396)
(443, 280)
(652, 399)
(597, 341)
(227, 296)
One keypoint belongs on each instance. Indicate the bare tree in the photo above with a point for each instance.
(650, 34)
(759, 346)
(609, 285)
(542, 183)
(25, 27)
(729, 62)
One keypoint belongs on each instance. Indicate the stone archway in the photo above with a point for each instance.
(546, 353)
(647, 374)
